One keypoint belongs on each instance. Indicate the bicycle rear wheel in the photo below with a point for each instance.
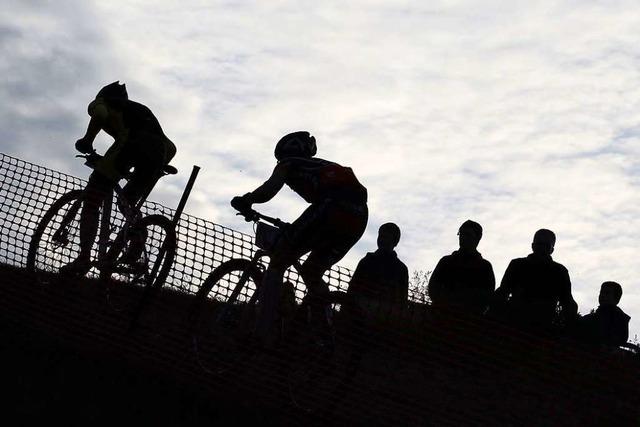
(56, 240)
(222, 320)
(131, 286)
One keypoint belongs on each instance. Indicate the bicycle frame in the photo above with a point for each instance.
(128, 211)
(255, 262)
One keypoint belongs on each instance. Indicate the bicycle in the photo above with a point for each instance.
(221, 329)
(55, 241)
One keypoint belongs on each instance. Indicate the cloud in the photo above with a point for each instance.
(517, 116)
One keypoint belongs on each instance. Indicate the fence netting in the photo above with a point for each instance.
(29, 190)
(387, 365)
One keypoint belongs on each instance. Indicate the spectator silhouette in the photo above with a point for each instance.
(532, 288)
(608, 325)
(463, 280)
(380, 275)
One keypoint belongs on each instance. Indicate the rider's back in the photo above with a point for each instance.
(316, 179)
(144, 132)
(139, 118)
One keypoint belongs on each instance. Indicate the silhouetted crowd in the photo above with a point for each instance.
(534, 294)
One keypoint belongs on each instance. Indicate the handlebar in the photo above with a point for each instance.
(90, 158)
(255, 216)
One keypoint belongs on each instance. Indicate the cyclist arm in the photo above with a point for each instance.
(269, 188)
(99, 113)
(85, 144)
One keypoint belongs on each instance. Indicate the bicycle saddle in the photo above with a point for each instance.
(169, 170)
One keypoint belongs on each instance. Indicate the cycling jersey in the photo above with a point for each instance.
(316, 180)
(139, 139)
(329, 227)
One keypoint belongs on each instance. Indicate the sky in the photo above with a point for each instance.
(518, 115)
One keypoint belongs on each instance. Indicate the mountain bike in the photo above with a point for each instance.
(56, 239)
(222, 325)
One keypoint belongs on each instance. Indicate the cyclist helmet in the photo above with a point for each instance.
(296, 144)
(114, 91)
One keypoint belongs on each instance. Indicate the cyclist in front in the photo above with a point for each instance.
(327, 229)
(139, 143)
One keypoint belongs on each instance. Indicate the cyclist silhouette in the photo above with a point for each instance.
(139, 143)
(327, 229)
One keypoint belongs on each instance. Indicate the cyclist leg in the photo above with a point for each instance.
(326, 230)
(340, 229)
(108, 171)
(146, 173)
(289, 248)
(148, 159)
(284, 255)
(97, 190)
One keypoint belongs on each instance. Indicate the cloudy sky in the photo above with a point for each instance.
(519, 115)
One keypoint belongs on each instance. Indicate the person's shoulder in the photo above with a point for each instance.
(323, 162)
(485, 262)
(622, 315)
(448, 258)
(134, 104)
(401, 265)
(302, 162)
(369, 257)
(517, 262)
(561, 268)
(137, 108)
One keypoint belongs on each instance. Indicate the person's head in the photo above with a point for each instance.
(610, 293)
(296, 144)
(112, 95)
(113, 92)
(543, 242)
(388, 236)
(469, 235)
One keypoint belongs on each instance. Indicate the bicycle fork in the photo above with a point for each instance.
(224, 313)
(105, 227)
(61, 235)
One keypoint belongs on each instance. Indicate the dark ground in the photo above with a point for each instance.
(68, 358)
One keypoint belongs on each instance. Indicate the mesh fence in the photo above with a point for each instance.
(394, 366)
(29, 190)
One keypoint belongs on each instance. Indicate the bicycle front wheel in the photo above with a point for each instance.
(56, 240)
(222, 319)
(149, 269)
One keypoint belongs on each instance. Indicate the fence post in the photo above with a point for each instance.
(151, 287)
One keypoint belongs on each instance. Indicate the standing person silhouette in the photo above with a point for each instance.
(463, 280)
(533, 287)
(380, 275)
(327, 229)
(608, 325)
